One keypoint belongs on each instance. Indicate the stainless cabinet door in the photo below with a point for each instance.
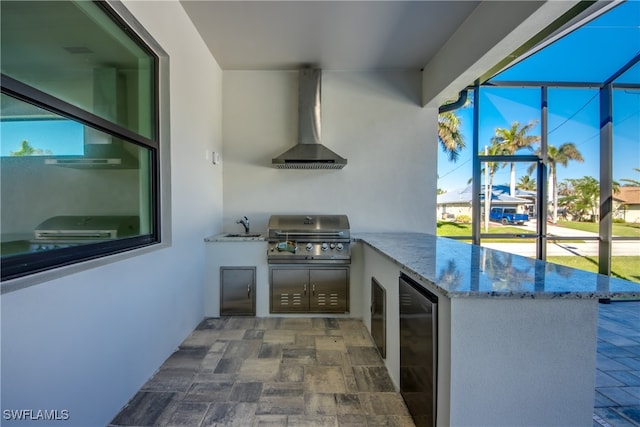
(237, 291)
(329, 290)
(289, 290)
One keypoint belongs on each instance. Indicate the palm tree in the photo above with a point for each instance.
(495, 149)
(526, 183)
(449, 135)
(632, 182)
(558, 155)
(514, 139)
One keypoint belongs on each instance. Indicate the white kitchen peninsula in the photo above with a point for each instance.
(516, 336)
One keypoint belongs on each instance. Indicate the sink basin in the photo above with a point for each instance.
(242, 235)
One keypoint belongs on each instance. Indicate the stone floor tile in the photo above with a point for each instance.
(270, 421)
(296, 323)
(384, 404)
(171, 379)
(373, 379)
(188, 414)
(389, 421)
(219, 346)
(231, 414)
(291, 373)
(348, 403)
(228, 366)
(331, 357)
(232, 334)
(213, 323)
(312, 421)
(209, 391)
(280, 389)
(320, 404)
(270, 350)
(324, 379)
(259, 369)
(303, 355)
(186, 358)
(145, 408)
(279, 336)
(210, 362)
(246, 392)
(330, 343)
(241, 323)
(268, 323)
(242, 349)
(364, 356)
(304, 340)
(253, 334)
(281, 405)
(353, 337)
(201, 338)
(352, 420)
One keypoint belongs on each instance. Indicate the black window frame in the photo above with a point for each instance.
(22, 265)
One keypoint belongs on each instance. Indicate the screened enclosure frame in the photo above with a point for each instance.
(605, 237)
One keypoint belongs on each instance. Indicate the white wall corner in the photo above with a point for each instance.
(482, 42)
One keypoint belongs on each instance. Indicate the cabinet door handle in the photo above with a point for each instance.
(313, 289)
(305, 288)
(249, 291)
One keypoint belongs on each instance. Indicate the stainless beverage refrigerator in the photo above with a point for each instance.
(418, 350)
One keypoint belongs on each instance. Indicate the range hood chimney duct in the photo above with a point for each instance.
(309, 153)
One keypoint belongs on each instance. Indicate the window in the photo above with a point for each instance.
(78, 125)
(579, 181)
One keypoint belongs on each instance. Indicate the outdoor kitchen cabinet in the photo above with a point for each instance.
(309, 290)
(237, 291)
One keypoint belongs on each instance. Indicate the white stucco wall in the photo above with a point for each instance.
(374, 119)
(87, 342)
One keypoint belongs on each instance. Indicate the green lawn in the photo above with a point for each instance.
(624, 267)
(626, 229)
(446, 228)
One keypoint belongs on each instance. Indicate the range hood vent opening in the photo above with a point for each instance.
(309, 153)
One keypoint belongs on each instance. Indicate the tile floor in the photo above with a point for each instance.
(617, 401)
(270, 372)
(325, 372)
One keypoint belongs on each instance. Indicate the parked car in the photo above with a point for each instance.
(508, 216)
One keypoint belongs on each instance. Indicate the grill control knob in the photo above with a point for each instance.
(332, 245)
(309, 247)
(340, 246)
(324, 247)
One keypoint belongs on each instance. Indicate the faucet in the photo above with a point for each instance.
(245, 222)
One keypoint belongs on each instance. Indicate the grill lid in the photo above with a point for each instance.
(308, 226)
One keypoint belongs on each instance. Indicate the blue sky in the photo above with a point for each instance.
(61, 137)
(573, 117)
(592, 53)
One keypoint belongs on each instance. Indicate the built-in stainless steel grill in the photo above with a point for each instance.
(304, 239)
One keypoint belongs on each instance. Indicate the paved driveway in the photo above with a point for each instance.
(560, 248)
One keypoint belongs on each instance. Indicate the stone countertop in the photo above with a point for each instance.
(237, 237)
(463, 270)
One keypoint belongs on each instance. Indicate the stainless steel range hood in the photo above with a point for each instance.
(309, 153)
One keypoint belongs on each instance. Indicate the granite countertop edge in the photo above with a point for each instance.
(474, 285)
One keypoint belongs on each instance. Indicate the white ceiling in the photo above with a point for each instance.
(334, 35)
